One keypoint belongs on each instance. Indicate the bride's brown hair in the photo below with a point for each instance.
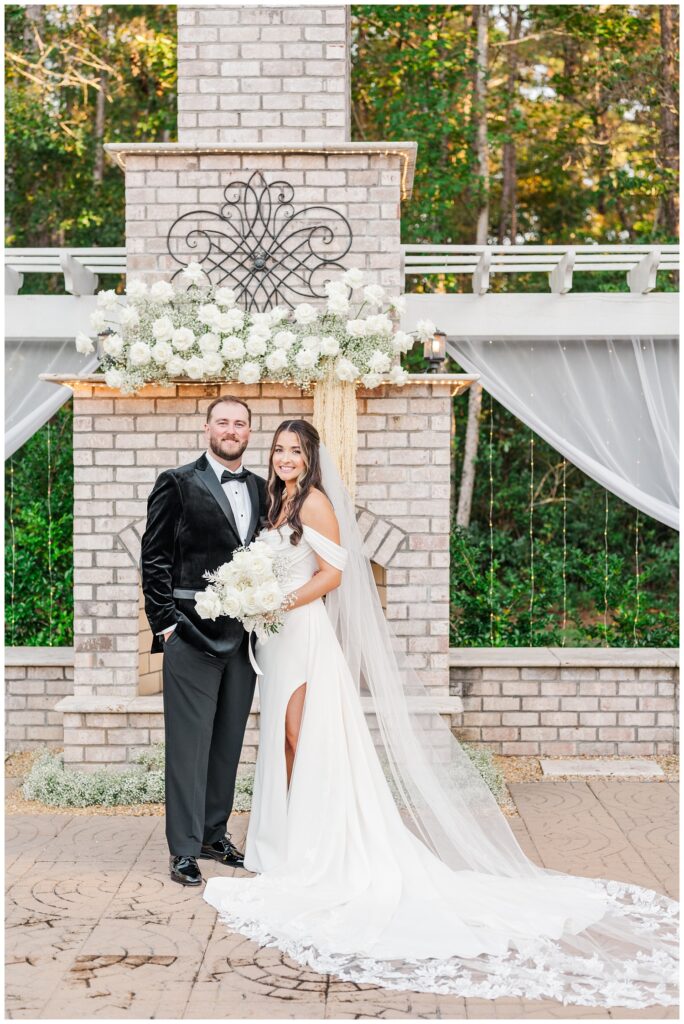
(310, 442)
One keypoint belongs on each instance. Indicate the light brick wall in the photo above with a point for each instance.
(364, 185)
(36, 679)
(563, 701)
(263, 74)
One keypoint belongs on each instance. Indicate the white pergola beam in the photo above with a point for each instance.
(34, 317)
(78, 280)
(481, 273)
(13, 281)
(534, 315)
(560, 278)
(642, 278)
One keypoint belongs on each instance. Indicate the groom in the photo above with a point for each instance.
(197, 515)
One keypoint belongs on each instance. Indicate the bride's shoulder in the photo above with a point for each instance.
(317, 513)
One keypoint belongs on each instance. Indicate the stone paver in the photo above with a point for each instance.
(626, 767)
(97, 930)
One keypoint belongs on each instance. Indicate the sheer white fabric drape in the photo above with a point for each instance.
(30, 402)
(609, 405)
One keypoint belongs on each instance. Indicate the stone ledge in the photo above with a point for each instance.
(39, 656)
(564, 657)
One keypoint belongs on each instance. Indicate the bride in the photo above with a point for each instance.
(380, 854)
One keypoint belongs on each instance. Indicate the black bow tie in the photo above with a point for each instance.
(227, 476)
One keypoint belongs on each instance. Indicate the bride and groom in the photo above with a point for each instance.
(379, 853)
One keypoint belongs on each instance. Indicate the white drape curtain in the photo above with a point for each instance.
(30, 402)
(609, 405)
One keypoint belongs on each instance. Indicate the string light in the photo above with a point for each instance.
(13, 568)
(605, 573)
(531, 530)
(49, 536)
(173, 149)
(491, 523)
(565, 554)
(637, 574)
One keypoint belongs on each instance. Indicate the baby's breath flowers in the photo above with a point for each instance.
(163, 332)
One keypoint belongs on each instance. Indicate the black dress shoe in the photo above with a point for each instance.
(185, 870)
(224, 852)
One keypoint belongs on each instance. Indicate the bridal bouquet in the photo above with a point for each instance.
(250, 588)
(163, 332)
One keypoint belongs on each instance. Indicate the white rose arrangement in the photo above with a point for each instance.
(164, 332)
(250, 588)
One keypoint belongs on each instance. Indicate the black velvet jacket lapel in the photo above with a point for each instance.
(253, 489)
(208, 477)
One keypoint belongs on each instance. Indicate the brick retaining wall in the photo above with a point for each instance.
(36, 679)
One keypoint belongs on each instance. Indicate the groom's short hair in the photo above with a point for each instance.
(229, 398)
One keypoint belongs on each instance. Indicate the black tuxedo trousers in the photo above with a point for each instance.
(208, 679)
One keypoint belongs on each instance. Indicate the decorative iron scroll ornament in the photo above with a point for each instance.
(260, 246)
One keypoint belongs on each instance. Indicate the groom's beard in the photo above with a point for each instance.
(227, 449)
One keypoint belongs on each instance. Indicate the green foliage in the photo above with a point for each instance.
(51, 783)
(39, 539)
(491, 593)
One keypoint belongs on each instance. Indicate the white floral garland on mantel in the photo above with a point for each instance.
(163, 333)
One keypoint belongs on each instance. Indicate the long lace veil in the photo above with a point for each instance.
(445, 801)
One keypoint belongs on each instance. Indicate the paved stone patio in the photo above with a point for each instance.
(96, 929)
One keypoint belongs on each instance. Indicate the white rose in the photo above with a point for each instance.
(113, 345)
(241, 561)
(183, 339)
(208, 314)
(276, 360)
(229, 321)
(213, 364)
(231, 603)
(260, 562)
(284, 340)
(255, 346)
(207, 604)
(162, 352)
(129, 317)
(249, 373)
(194, 367)
(248, 601)
(375, 294)
(268, 596)
(336, 288)
(398, 375)
(114, 378)
(306, 358)
(162, 291)
(139, 354)
(193, 273)
(402, 342)
(162, 329)
(338, 304)
(136, 289)
(378, 362)
(225, 297)
(379, 323)
(330, 346)
(312, 342)
(107, 300)
(356, 328)
(277, 315)
(84, 344)
(354, 277)
(261, 320)
(98, 321)
(305, 313)
(175, 367)
(232, 347)
(209, 342)
(371, 380)
(398, 303)
(425, 329)
(346, 370)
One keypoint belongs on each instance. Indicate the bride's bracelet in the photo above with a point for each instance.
(289, 601)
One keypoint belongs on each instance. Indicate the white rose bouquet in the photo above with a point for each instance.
(250, 588)
(191, 329)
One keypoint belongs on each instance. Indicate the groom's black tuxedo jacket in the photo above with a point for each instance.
(191, 529)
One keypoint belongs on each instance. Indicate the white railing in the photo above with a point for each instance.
(641, 263)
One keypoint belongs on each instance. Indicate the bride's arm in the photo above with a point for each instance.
(317, 512)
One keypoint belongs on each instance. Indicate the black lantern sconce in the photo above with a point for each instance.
(434, 350)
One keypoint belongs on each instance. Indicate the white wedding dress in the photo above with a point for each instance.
(345, 887)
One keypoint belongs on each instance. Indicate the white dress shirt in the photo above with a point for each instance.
(238, 497)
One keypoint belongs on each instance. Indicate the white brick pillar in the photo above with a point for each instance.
(263, 74)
